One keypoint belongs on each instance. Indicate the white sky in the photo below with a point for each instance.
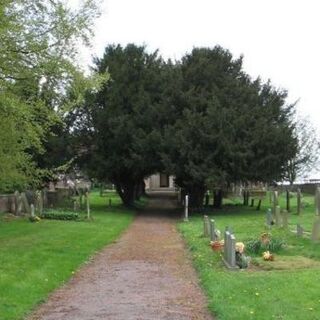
(279, 38)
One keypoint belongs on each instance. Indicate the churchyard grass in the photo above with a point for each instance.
(38, 257)
(287, 288)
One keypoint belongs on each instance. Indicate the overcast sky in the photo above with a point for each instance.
(278, 38)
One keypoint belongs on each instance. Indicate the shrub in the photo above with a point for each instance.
(257, 246)
(60, 215)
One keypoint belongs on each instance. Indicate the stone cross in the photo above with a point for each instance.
(212, 230)
(299, 207)
(315, 236)
(229, 253)
(299, 230)
(269, 218)
(186, 208)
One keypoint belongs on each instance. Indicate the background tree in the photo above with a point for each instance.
(122, 120)
(306, 160)
(39, 41)
(228, 129)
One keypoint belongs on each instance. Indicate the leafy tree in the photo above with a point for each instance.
(37, 65)
(306, 159)
(121, 121)
(228, 129)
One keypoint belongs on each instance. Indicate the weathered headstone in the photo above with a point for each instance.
(315, 236)
(212, 230)
(299, 204)
(25, 203)
(32, 210)
(17, 205)
(205, 226)
(269, 218)
(275, 202)
(186, 208)
(285, 218)
(229, 254)
(278, 216)
(88, 204)
(299, 230)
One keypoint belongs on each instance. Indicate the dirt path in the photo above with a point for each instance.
(145, 275)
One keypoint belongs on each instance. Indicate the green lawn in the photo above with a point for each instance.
(38, 257)
(291, 293)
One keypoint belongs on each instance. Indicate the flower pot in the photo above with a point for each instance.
(217, 246)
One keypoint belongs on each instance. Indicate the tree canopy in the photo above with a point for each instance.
(39, 41)
(202, 119)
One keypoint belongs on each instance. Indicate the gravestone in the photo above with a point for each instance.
(25, 203)
(186, 208)
(285, 218)
(269, 218)
(87, 204)
(212, 230)
(229, 252)
(278, 216)
(275, 202)
(315, 236)
(17, 204)
(32, 210)
(317, 201)
(205, 226)
(299, 230)
(299, 204)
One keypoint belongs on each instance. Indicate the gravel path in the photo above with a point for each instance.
(146, 274)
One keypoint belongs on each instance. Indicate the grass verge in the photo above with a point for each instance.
(287, 288)
(36, 258)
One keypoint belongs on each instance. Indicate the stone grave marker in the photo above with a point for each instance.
(205, 226)
(299, 230)
(285, 218)
(299, 204)
(275, 202)
(88, 204)
(269, 218)
(278, 216)
(212, 230)
(32, 210)
(315, 236)
(17, 204)
(25, 203)
(186, 208)
(229, 253)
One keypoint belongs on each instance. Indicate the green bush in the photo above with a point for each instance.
(60, 215)
(256, 246)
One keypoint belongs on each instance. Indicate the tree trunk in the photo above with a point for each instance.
(217, 199)
(196, 195)
(126, 192)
